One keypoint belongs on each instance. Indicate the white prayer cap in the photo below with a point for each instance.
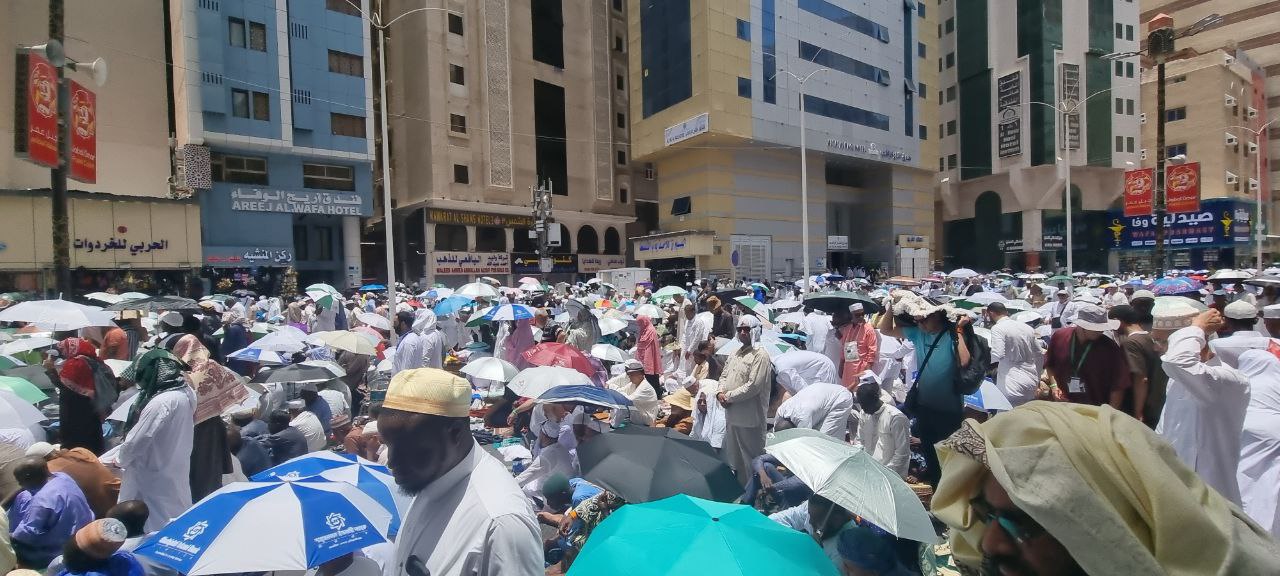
(748, 321)
(294, 405)
(1240, 310)
(856, 307)
(41, 449)
(1272, 311)
(1142, 294)
(370, 428)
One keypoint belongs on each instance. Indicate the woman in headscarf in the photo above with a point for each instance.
(235, 336)
(217, 389)
(156, 453)
(84, 396)
(584, 331)
(273, 308)
(514, 346)
(648, 352)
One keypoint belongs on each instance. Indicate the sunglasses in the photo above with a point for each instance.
(1020, 529)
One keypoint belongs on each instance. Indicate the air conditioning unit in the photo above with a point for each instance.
(1251, 112)
(1228, 59)
(1228, 100)
(1232, 140)
(1142, 154)
(1253, 184)
(1232, 178)
(1142, 118)
(1253, 148)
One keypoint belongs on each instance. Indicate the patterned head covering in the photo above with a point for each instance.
(155, 372)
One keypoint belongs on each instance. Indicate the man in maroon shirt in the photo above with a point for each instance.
(1087, 367)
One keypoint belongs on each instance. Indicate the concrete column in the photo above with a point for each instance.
(352, 273)
(510, 234)
(471, 238)
(429, 241)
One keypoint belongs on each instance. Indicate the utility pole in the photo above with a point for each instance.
(1160, 44)
(542, 220)
(58, 174)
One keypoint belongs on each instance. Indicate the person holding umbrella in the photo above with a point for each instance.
(744, 391)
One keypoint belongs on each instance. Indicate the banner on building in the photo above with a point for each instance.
(1182, 188)
(837, 242)
(1052, 242)
(1009, 114)
(463, 218)
(1069, 96)
(1139, 191)
(1014, 245)
(527, 263)
(1219, 222)
(591, 263)
(298, 202)
(36, 110)
(470, 263)
(84, 133)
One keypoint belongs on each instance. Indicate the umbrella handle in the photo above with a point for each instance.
(416, 567)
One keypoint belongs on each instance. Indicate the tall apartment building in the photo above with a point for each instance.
(715, 110)
(487, 99)
(129, 204)
(276, 95)
(1005, 152)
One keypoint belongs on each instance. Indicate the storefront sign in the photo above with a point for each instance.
(1221, 223)
(267, 200)
(247, 257)
(1052, 242)
(471, 263)
(837, 242)
(84, 133)
(1070, 99)
(591, 263)
(912, 241)
(870, 149)
(527, 263)
(1182, 188)
(113, 243)
(1010, 245)
(685, 130)
(1009, 114)
(1139, 191)
(457, 217)
(36, 110)
(672, 246)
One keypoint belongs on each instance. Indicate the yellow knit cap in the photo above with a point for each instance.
(429, 391)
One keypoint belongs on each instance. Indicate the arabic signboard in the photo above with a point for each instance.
(1139, 191)
(470, 263)
(1009, 114)
(527, 263)
(36, 110)
(1221, 223)
(1052, 242)
(912, 241)
(1010, 245)
(247, 256)
(878, 151)
(685, 130)
(591, 263)
(1070, 98)
(461, 218)
(84, 133)
(837, 242)
(672, 246)
(297, 202)
(1182, 188)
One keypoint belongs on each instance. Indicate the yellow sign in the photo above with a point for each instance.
(684, 245)
(457, 217)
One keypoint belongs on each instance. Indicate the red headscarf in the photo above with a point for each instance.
(76, 373)
(647, 351)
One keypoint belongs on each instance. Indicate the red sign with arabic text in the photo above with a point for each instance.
(41, 110)
(1139, 191)
(84, 133)
(1182, 188)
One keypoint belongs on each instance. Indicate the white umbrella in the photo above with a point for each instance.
(330, 365)
(651, 311)
(533, 382)
(962, 273)
(1018, 305)
(373, 320)
(347, 340)
(18, 413)
(1229, 274)
(477, 290)
(609, 353)
(984, 298)
(259, 355)
(57, 315)
(26, 345)
(289, 339)
(988, 397)
(104, 297)
(1036, 276)
(490, 368)
(611, 325)
(785, 304)
(790, 317)
(133, 296)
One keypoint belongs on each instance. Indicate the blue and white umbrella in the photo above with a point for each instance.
(987, 398)
(265, 526)
(258, 355)
(452, 304)
(371, 478)
(509, 312)
(585, 394)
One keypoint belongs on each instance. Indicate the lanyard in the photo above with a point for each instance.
(1075, 370)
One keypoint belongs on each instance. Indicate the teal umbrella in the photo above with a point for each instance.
(686, 535)
(23, 389)
(668, 292)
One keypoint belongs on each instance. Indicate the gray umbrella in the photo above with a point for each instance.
(156, 304)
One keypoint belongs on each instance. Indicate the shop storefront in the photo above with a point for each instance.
(456, 268)
(1216, 236)
(675, 257)
(258, 268)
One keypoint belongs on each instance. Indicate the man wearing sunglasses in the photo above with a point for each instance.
(1065, 489)
(744, 391)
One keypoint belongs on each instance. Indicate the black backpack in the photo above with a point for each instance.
(969, 378)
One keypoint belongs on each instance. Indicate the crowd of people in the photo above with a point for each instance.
(1067, 425)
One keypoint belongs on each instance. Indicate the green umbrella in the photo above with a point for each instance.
(686, 535)
(1060, 278)
(755, 306)
(323, 294)
(668, 292)
(829, 302)
(23, 389)
(7, 362)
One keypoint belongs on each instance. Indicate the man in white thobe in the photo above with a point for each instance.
(1016, 354)
(555, 435)
(820, 406)
(431, 337)
(708, 415)
(644, 399)
(1204, 408)
(1259, 472)
(156, 456)
(1237, 334)
(696, 329)
(817, 325)
(468, 516)
(409, 346)
(798, 368)
(745, 389)
(307, 423)
(1113, 297)
(883, 430)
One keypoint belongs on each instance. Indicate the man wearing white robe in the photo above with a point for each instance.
(1017, 355)
(1205, 407)
(156, 456)
(820, 406)
(817, 326)
(409, 346)
(708, 415)
(644, 399)
(431, 337)
(882, 430)
(745, 389)
(697, 331)
(799, 368)
(1259, 472)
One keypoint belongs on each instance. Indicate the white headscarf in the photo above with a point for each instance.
(425, 320)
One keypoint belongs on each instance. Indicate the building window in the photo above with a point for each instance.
(328, 177)
(951, 59)
(1128, 144)
(1119, 31)
(666, 54)
(845, 112)
(344, 63)
(923, 90)
(1119, 105)
(461, 174)
(842, 63)
(952, 161)
(950, 25)
(744, 30)
(744, 87)
(617, 5)
(455, 24)
(921, 50)
(261, 106)
(324, 244)
(617, 81)
(623, 195)
(342, 6)
(618, 44)
(622, 158)
(236, 32)
(924, 132)
(1128, 69)
(951, 127)
(457, 75)
(1119, 68)
(458, 123)
(1179, 113)
(1175, 150)
(300, 242)
(238, 169)
(920, 8)
(1119, 143)
(845, 18)
(547, 17)
(258, 36)
(1128, 31)
(1128, 106)
(951, 93)
(239, 103)
(942, 164)
(346, 125)
(622, 120)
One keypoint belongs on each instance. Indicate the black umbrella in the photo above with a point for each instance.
(726, 296)
(156, 304)
(1263, 280)
(296, 373)
(642, 464)
(34, 374)
(830, 302)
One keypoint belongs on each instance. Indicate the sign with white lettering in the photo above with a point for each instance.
(247, 256)
(912, 241)
(1069, 86)
(872, 149)
(837, 242)
(591, 263)
(1009, 114)
(470, 262)
(297, 202)
(688, 129)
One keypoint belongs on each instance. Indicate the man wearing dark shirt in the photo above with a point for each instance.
(1146, 398)
(1088, 367)
(252, 456)
(284, 442)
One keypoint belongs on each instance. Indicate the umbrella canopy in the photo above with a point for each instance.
(347, 340)
(979, 300)
(686, 535)
(490, 368)
(258, 355)
(372, 288)
(323, 294)
(133, 296)
(848, 476)
(533, 382)
(754, 306)
(16, 412)
(156, 304)
(785, 304)
(23, 389)
(557, 354)
(1263, 280)
(988, 397)
(7, 362)
(103, 297)
(509, 312)
(1174, 286)
(34, 374)
(962, 273)
(830, 302)
(611, 325)
(609, 353)
(1060, 279)
(298, 373)
(374, 320)
(286, 339)
(372, 478)
(1227, 274)
(903, 281)
(528, 280)
(330, 365)
(586, 394)
(642, 464)
(57, 315)
(790, 318)
(308, 524)
(26, 345)
(651, 311)
(477, 290)
(668, 292)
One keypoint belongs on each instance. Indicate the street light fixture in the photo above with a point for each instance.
(804, 178)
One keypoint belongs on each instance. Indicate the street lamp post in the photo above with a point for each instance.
(804, 179)
(1258, 227)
